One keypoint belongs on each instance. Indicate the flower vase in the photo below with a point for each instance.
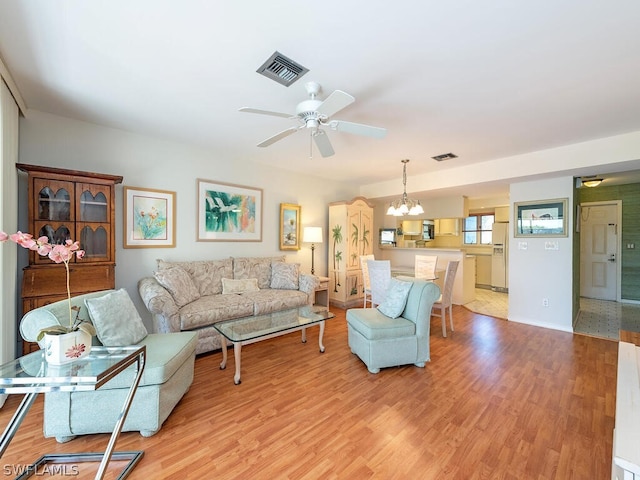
(67, 347)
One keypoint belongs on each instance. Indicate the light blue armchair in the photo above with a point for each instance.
(381, 341)
(167, 376)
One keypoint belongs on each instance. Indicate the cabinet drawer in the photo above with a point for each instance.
(45, 282)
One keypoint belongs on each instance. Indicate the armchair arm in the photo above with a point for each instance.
(160, 304)
(308, 284)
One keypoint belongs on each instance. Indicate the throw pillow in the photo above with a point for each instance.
(396, 298)
(285, 276)
(244, 285)
(179, 284)
(116, 319)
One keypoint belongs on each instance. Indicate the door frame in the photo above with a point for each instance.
(618, 204)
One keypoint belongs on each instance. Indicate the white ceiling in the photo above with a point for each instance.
(484, 80)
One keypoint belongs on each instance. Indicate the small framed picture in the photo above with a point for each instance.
(228, 212)
(149, 218)
(290, 226)
(541, 218)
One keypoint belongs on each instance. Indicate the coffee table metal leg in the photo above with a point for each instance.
(237, 350)
(320, 335)
(223, 343)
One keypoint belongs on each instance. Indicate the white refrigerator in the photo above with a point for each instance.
(500, 257)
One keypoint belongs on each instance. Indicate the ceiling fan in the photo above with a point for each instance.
(314, 114)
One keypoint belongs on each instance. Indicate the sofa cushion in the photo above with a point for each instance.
(179, 284)
(207, 275)
(210, 309)
(373, 325)
(230, 285)
(255, 267)
(166, 352)
(285, 275)
(395, 298)
(271, 300)
(116, 319)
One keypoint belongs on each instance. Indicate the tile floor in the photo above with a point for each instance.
(598, 318)
(488, 302)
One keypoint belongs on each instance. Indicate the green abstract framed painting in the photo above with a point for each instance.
(149, 218)
(228, 212)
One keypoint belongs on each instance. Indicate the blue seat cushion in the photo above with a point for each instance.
(375, 326)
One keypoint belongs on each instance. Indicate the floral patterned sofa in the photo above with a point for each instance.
(193, 295)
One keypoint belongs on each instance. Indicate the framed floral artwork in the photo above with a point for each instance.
(290, 226)
(149, 218)
(228, 212)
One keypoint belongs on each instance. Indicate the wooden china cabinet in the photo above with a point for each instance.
(69, 204)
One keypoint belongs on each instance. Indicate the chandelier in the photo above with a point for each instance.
(404, 205)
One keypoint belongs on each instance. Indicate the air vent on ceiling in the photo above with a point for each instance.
(444, 156)
(282, 69)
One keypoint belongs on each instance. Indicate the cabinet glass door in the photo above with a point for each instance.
(53, 200)
(57, 232)
(93, 204)
(94, 240)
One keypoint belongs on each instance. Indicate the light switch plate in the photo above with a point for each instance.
(522, 245)
(551, 245)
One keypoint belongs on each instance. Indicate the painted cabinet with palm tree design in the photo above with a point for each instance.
(351, 229)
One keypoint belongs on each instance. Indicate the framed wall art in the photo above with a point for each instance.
(149, 218)
(542, 218)
(290, 226)
(228, 212)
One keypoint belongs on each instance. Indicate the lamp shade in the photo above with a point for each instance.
(312, 235)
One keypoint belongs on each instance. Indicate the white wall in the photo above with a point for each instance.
(154, 163)
(8, 222)
(537, 273)
(618, 153)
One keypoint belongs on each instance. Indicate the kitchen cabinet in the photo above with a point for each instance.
(501, 214)
(412, 227)
(351, 226)
(483, 270)
(447, 226)
(69, 204)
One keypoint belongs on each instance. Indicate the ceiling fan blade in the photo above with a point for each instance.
(334, 103)
(278, 136)
(323, 143)
(357, 129)
(266, 112)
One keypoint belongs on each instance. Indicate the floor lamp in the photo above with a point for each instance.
(312, 235)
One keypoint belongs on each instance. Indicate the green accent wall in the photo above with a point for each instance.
(630, 258)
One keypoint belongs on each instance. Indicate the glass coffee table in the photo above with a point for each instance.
(247, 330)
(31, 375)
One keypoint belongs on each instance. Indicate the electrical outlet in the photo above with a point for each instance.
(522, 245)
(545, 302)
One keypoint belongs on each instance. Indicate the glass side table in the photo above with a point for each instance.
(31, 375)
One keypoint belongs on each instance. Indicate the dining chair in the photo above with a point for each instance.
(425, 266)
(379, 276)
(365, 277)
(446, 298)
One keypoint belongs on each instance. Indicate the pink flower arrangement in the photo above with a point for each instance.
(59, 254)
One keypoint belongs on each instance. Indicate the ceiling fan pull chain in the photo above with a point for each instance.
(311, 147)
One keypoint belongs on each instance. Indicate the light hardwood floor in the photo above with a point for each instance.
(499, 400)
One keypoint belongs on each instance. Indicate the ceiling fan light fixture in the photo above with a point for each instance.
(404, 205)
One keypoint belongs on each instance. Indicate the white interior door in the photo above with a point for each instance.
(599, 251)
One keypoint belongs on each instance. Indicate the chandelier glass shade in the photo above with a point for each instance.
(404, 205)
